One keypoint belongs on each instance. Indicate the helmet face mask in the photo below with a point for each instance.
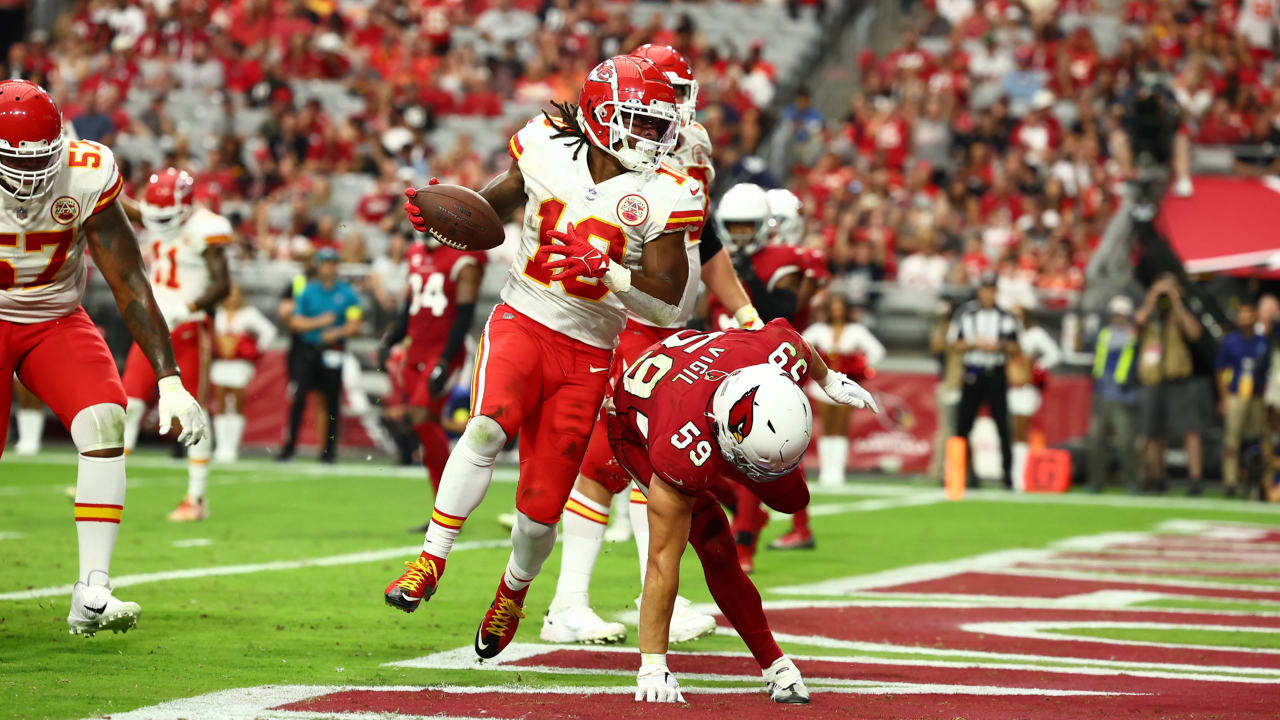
(31, 141)
(742, 217)
(628, 110)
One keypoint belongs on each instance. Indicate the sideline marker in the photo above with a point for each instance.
(955, 468)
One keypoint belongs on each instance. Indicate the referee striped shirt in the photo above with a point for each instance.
(973, 323)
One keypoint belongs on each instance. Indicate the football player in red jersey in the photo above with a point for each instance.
(189, 278)
(695, 409)
(596, 194)
(569, 618)
(57, 198)
(443, 287)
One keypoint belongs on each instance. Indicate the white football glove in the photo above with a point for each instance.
(176, 402)
(842, 390)
(655, 683)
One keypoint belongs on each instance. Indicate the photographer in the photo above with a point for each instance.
(1175, 401)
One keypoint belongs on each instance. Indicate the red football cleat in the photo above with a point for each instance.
(794, 540)
(418, 583)
(500, 623)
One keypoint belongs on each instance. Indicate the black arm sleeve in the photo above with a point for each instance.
(458, 331)
(771, 304)
(709, 244)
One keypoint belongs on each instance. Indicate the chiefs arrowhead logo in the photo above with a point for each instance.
(742, 414)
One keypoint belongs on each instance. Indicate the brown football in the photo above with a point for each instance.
(459, 217)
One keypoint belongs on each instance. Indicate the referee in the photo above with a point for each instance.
(988, 337)
(326, 313)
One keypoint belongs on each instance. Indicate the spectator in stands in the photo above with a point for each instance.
(1115, 397)
(389, 279)
(1021, 83)
(1176, 403)
(858, 276)
(95, 123)
(926, 269)
(1243, 367)
(327, 312)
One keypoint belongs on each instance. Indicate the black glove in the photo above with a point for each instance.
(743, 266)
(439, 377)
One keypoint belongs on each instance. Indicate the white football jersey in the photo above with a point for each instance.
(621, 215)
(179, 273)
(42, 246)
(692, 156)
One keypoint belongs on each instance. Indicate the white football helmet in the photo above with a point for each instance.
(762, 421)
(786, 223)
(743, 203)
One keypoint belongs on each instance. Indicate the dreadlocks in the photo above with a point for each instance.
(566, 126)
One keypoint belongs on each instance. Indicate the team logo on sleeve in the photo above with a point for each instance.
(633, 210)
(65, 210)
(742, 415)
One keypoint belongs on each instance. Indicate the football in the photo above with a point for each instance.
(459, 217)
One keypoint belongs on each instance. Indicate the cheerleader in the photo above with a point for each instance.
(241, 332)
(848, 346)
(1028, 375)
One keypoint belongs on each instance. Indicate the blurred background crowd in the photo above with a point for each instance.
(931, 141)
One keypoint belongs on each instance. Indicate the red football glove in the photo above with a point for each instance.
(581, 258)
(415, 212)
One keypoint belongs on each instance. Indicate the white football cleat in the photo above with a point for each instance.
(94, 608)
(686, 623)
(507, 520)
(580, 625)
(619, 529)
(783, 682)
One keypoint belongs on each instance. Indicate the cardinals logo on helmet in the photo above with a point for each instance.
(742, 414)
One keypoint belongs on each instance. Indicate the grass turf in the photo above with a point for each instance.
(328, 625)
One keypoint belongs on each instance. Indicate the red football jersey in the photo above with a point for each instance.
(433, 290)
(771, 263)
(661, 418)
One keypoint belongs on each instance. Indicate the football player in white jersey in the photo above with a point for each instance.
(595, 192)
(58, 197)
(189, 277)
(570, 617)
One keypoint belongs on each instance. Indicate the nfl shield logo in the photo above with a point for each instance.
(21, 212)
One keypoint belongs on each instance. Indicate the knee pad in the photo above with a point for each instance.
(98, 427)
(484, 436)
(533, 529)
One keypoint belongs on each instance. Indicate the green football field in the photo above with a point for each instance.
(282, 586)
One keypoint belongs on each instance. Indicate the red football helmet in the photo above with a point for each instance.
(628, 109)
(678, 71)
(168, 201)
(30, 139)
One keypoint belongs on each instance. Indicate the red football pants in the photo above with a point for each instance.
(547, 387)
(192, 348)
(64, 362)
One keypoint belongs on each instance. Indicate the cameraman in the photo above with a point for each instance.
(1175, 401)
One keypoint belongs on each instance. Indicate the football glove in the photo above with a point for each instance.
(411, 207)
(844, 391)
(439, 377)
(748, 318)
(581, 258)
(176, 402)
(655, 683)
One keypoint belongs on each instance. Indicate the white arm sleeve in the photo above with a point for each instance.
(868, 344)
(262, 328)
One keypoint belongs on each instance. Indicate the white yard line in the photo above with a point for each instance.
(1043, 630)
(880, 503)
(193, 542)
(406, 551)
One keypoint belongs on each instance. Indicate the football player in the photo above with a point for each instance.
(58, 197)
(189, 277)
(596, 194)
(443, 287)
(570, 617)
(694, 409)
